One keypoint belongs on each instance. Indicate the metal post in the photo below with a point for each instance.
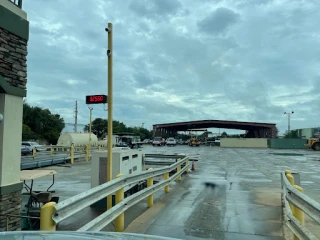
(72, 154)
(87, 152)
(34, 153)
(166, 177)
(178, 170)
(149, 184)
(110, 128)
(90, 126)
(46, 212)
(291, 181)
(51, 150)
(298, 213)
(120, 219)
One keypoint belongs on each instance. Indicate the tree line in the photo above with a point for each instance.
(99, 127)
(41, 124)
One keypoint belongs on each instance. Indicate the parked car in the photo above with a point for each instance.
(157, 141)
(171, 142)
(25, 150)
(31, 145)
(180, 142)
(146, 141)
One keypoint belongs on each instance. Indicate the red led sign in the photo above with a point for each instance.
(95, 99)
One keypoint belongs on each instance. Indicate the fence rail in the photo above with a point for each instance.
(52, 214)
(296, 203)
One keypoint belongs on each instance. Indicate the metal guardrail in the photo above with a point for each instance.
(296, 203)
(18, 3)
(107, 217)
(53, 214)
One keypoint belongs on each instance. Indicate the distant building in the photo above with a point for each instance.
(309, 132)
(69, 128)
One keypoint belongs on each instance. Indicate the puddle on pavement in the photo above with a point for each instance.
(288, 154)
(306, 182)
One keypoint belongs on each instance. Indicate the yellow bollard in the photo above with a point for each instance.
(287, 172)
(187, 164)
(46, 212)
(62, 149)
(298, 213)
(87, 152)
(34, 153)
(99, 148)
(120, 219)
(72, 154)
(149, 184)
(166, 188)
(291, 180)
(51, 150)
(178, 170)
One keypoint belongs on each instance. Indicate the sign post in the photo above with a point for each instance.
(93, 99)
(110, 127)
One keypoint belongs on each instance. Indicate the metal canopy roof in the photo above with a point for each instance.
(185, 126)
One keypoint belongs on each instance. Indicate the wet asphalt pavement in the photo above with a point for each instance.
(244, 204)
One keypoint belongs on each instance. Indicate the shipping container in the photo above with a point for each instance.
(287, 143)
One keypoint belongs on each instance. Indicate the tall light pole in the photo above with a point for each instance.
(109, 30)
(90, 129)
(289, 114)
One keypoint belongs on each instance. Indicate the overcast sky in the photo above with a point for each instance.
(178, 60)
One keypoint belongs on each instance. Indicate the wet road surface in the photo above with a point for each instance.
(245, 204)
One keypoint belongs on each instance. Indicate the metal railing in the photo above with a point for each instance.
(53, 151)
(296, 204)
(18, 3)
(52, 214)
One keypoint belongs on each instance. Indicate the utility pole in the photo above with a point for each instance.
(110, 127)
(76, 117)
(90, 129)
(289, 114)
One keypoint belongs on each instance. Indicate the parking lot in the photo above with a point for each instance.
(248, 202)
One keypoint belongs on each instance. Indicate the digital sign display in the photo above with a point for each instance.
(96, 99)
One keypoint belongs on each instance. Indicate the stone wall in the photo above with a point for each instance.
(13, 56)
(10, 204)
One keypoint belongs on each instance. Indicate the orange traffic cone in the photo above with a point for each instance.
(192, 167)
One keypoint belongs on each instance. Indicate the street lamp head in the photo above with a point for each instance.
(292, 112)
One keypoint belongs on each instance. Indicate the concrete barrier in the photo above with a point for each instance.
(244, 142)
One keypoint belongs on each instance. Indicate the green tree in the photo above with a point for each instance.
(204, 134)
(40, 123)
(224, 134)
(99, 127)
(292, 134)
(27, 133)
